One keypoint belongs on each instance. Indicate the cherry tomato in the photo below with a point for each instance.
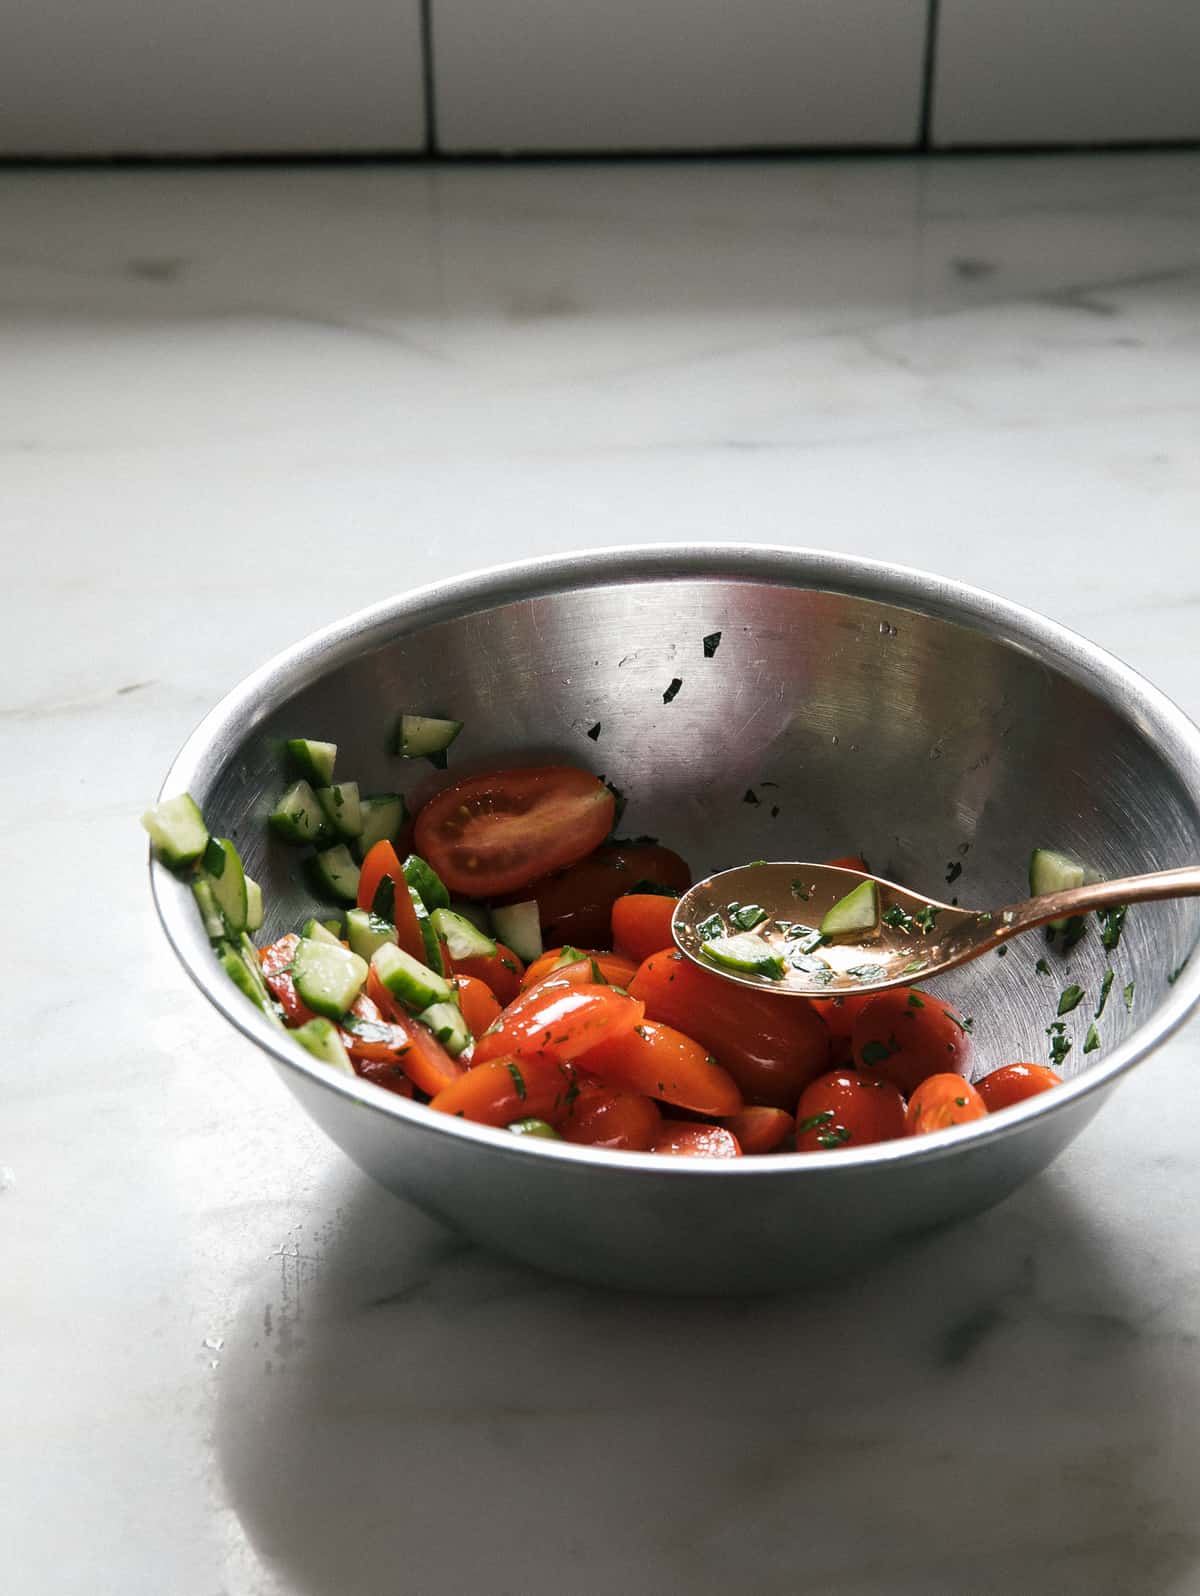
(423, 1058)
(662, 1062)
(493, 834)
(641, 923)
(1013, 1083)
(479, 1005)
(906, 1034)
(845, 1109)
(760, 1130)
(502, 971)
(613, 969)
(502, 1090)
(840, 1015)
(382, 862)
(689, 1138)
(276, 964)
(605, 1116)
(561, 1018)
(772, 1046)
(850, 861)
(576, 905)
(941, 1101)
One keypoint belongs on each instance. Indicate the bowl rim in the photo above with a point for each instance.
(1153, 713)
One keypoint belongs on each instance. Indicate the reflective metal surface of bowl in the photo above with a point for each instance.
(848, 707)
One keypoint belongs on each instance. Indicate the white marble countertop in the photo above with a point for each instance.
(237, 403)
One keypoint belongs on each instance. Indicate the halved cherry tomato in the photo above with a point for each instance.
(662, 1062)
(849, 861)
(845, 1109)
(561, 1018)
(772, 1046)
(424, 1060)
(760, 1130)
(688, 1138)
(493, 834)
(641, 923)
(478, 1003)
(502, 971)
(383, 861)
(605, 1116)
(941, 1101)
(906, 1034)
(576, 905)
(502, 1090)
(276, 962)
(1013, 1083)
(613, 969)
(840, 1014)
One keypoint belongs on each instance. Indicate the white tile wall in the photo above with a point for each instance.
(209, 76)
(547, 75)
(1067, 71)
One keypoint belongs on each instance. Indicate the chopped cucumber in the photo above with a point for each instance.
(240, 961)
(534, 1127)
(224, 874)
(320, 1038)
(382, 817)
(519, 927)
(857, 912)
(429, 936)
(343, 808)
(448, 1026)
(328, 978)
(314, 761)
(366, 932)
(569, 955)
(335, 873)
(1053, 872)
(462, 939)
(322, 931)
(745, 952)
(177, 830)
(214, 920)
(254, 905)
(424, 880)
(415, 984)
(298, 816)
(424, 737)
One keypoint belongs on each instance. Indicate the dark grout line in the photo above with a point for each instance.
(428, 86)
(929, 75)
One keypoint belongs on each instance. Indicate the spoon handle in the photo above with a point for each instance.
(1183, 883)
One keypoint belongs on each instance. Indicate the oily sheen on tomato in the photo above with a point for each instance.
(575, 906)
(493, 834)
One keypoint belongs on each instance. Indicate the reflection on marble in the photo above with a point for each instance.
(237, 403)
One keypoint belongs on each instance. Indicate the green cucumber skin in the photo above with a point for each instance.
(312, 760)
(177, 830)
(462, 937)
(328, 978)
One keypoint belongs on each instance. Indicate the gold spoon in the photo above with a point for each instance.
(762, 925)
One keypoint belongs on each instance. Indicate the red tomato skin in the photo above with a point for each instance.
(276, 962)
(576, 905)
(613, 969)
(382, 860)
(641, 924)
(840, 1014)
(559, 1018)
(853, 1110)
(502, 971)
(772, 1046)
(940, 1102)
(849, 861)
(501, 1090)
(683, 1138)
(906, 1034)
(494, 834)
(660, 1061)
(760, 1130)
(605, 1116)
(1015, 1083)
(479, 1004)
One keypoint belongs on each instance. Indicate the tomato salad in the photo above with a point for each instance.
(436, 982)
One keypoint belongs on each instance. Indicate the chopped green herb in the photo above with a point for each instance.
(914, 966)
(383, 904)
(966, 1026)
(1177, 971)
(1105, 989)
(594, 732)
(1076, 930)
(748, 916)
(711, 927)
(1042, 967)
(914, 1001)
(799, 890)
(509, 965)
(653, 889)
(1114, 924)
(672, 691)
(814, 1121)
(897, 917)
(1060, 1044)
(809, 943)
(598, 975)
(1128, 996)
(867, 972)
(953, 871)
(214, 857)
(750, 796)
(1092, 1040)
(983, 919)
(774, 811)
(925, 917)
(1070, 998)
(838, 1137)
(815, 969)
(711, 644)
(518, 1079)
(876, 1052)
(961, 1101)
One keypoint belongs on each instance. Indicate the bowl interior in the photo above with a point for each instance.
(823, 722)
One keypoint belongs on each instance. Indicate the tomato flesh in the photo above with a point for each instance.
(760, 1130)
(613, 969)
(492, 834)
(502, 1090)
(479, 1005)
(661, 1062)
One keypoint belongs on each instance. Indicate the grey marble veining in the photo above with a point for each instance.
(237, 403)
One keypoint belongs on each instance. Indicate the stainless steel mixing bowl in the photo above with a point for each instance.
(850, 706)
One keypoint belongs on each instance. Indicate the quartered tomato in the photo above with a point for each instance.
(277, 973)
(502, 1090)
(641, 923)
(480, 1007)
(492, 834)
(689, 1138)
(605, 1116)
(425, 1061)
(941, 1101)
(607, 968)
(382, 865)
(663, 1063)
(1013, 1083)
(846, 1109)
(576, 905)
(561, 1018)
(772, 1046)
(760, 1130)
(905, 1034)
(501, 970)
